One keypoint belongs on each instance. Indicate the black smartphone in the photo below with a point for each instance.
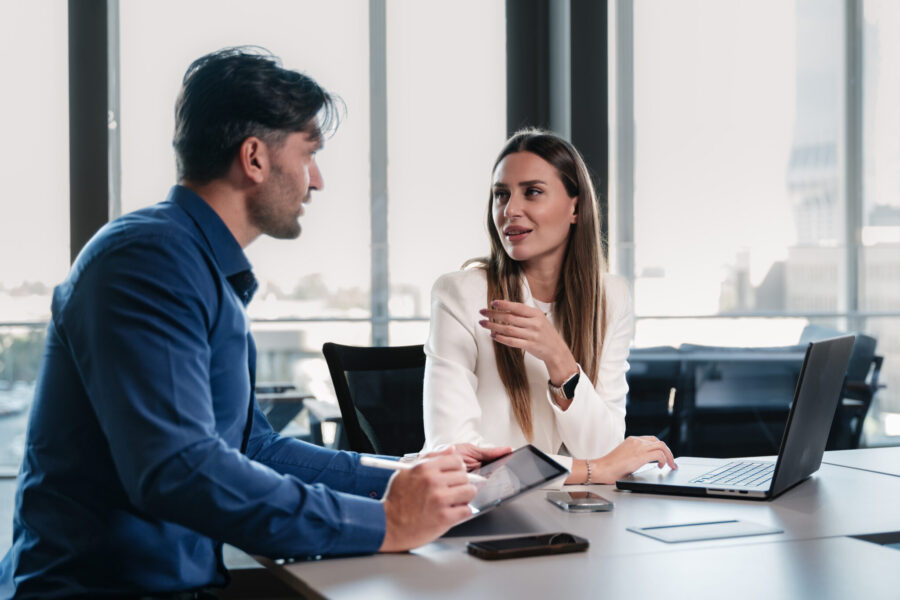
(527, 545)
(579, 501)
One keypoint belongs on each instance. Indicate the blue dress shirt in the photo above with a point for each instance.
(145, 447)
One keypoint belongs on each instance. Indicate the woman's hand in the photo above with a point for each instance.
(474, 456)
(629, 456)
(520, 326)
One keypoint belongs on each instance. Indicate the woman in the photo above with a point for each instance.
(531, 345)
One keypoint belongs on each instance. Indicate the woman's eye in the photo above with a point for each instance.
(500, 195)
(533, 191)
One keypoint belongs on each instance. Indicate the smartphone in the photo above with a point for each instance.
(528, 545)
(579, 501)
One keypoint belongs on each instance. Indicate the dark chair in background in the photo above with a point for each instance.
(859, 389)
(379, 391)
(653, 381)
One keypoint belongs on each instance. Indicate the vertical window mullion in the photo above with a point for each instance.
(88, 120)
(380, 282)
(853, 149)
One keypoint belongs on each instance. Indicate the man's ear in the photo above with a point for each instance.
(253, 159)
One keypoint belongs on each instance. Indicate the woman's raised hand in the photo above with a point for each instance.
(520, 326)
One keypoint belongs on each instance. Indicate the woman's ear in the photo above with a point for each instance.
(573, 217)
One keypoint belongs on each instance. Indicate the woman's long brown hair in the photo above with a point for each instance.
(580, 306)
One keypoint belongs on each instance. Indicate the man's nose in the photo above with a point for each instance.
(316, 181)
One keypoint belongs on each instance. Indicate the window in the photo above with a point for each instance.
(446, 124)
(744, 193)
(880, 257)
(34, 224)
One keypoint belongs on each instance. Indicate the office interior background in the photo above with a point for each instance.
(748, 151)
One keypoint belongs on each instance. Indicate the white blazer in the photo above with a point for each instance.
(464, 398)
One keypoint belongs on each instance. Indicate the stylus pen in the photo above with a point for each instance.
(383, 463)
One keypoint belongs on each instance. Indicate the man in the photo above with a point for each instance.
(146, 449)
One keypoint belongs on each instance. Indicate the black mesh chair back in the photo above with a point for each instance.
(652, 380)
(857, 394)
(379, 391)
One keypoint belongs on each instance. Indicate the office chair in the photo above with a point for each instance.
(379, 391)
(653, 381)
(857, 394)
(859, 389)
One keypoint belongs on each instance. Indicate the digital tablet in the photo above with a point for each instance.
(512, 475)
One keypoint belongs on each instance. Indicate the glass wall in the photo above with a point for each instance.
(34, 213)
(743, 172)
(446, 123)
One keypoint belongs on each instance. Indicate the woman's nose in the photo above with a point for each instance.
(513, 207)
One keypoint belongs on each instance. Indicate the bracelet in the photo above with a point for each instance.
(588, 480)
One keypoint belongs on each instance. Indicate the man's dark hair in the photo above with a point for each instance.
(235, 93)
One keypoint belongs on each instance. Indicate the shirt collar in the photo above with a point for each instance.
(229, 255)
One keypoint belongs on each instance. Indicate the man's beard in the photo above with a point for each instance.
(269, 210)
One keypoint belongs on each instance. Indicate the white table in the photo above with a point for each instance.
(878, 460)
(813, 558)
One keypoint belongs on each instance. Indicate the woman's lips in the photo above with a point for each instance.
(516, 234)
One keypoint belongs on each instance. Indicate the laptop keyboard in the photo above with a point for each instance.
(740, 472)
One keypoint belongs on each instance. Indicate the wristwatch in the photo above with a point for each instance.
(567, 389)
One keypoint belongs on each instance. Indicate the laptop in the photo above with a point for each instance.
(802, 445)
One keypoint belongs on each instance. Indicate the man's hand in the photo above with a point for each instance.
(421, 504)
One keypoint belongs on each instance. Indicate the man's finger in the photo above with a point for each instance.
(460, 494)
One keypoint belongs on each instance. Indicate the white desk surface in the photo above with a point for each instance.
(810, 559)
(831, 568)
(878, 460)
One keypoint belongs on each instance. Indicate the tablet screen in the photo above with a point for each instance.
(513, 474)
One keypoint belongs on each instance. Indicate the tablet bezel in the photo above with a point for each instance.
(537, 455)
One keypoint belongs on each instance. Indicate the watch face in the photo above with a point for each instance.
(569, 386)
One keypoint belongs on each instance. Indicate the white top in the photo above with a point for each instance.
(464, 398)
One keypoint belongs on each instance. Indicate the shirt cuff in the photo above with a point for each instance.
(371, 482)
(362, 526)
